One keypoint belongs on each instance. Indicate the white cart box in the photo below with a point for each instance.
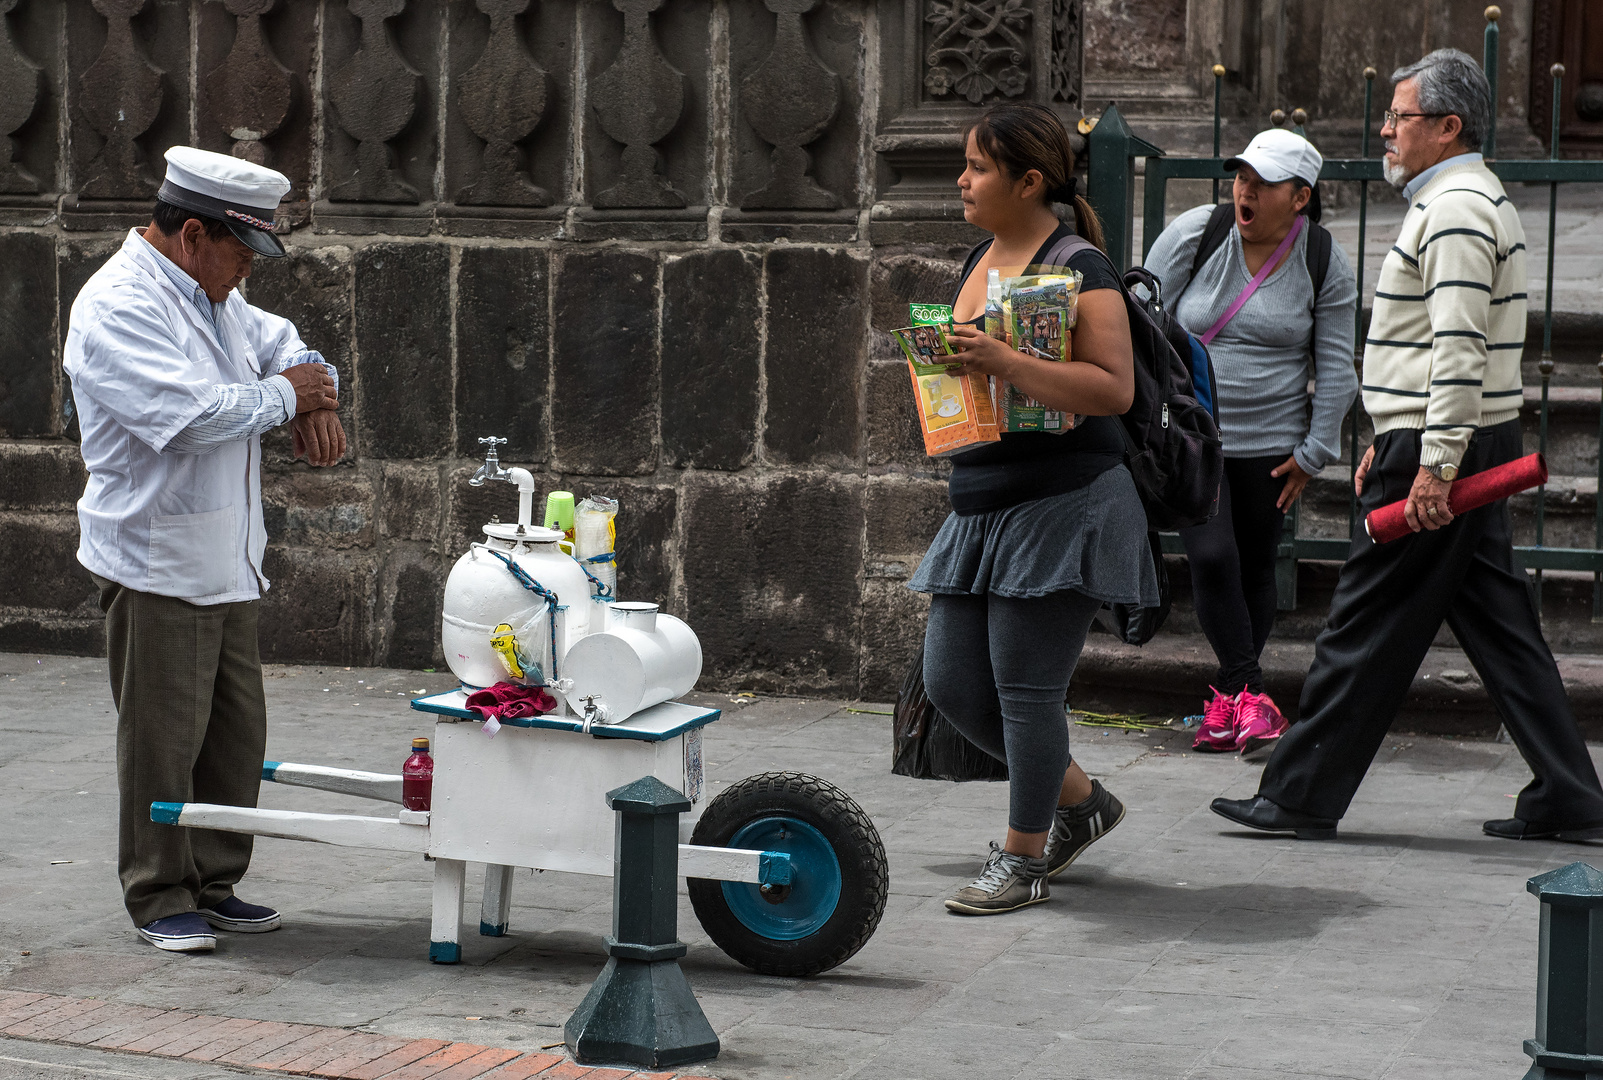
(535, 794)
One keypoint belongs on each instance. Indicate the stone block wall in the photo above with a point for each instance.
(652, 244)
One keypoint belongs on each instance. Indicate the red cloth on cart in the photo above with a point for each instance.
(1388, 523)
(509, 701)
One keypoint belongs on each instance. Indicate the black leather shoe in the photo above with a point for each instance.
(1515, 829)
(1259, 813)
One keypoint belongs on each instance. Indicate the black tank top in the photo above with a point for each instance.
(1028, 465)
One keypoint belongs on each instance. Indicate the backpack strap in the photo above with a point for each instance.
(1213, 236)
(1318, 254)
(1065, 249)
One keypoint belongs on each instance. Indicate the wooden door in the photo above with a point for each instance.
(1569, 32)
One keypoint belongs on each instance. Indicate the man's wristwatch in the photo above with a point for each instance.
(1446, 472)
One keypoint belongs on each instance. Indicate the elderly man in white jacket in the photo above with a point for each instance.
(175, 378)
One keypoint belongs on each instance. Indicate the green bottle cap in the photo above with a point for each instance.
(559, 511)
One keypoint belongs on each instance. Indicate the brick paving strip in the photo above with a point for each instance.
(292, 1049)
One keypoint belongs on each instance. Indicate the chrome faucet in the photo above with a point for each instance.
(491, 469)
(521, 479)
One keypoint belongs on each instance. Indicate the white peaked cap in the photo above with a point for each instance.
(242, 195)
(1278, 154)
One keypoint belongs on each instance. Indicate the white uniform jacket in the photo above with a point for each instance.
(143, 362)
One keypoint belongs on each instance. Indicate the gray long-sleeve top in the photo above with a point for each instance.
(1262, 358)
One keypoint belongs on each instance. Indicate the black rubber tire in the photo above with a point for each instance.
(865, 875)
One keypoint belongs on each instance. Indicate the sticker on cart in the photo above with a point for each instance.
(693, 765)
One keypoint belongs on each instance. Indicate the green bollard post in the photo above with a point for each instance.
(1489, 66)
(1111, 179)
(641, 1009)
(1569, 975)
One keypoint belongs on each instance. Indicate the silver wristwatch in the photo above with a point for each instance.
(1446, 472)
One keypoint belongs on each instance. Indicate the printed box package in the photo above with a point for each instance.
(1037, 314)
(955, 412)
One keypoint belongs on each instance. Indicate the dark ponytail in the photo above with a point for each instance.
(1024, 136)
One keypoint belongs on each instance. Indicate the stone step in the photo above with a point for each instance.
(1572, 427)
(1565, 595)
(1578, 261)
(1169, 676)
(1570, 508)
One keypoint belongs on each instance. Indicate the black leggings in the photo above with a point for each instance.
(1232, 561)
(999, 669)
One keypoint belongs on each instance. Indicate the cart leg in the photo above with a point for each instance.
(449, 877)
(497, 900)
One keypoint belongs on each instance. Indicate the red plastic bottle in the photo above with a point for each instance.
(417, 777)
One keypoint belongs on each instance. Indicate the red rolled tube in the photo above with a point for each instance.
(1388, 523)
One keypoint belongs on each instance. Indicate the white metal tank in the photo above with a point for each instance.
(642, 659)
(482, 593)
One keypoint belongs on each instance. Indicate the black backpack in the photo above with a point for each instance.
(1172, 445)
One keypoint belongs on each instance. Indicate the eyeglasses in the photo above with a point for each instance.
(1393, 117)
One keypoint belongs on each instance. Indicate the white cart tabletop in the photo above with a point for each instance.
(656, 724)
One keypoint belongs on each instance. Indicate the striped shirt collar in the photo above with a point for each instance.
(1414, 186)
(186, 285)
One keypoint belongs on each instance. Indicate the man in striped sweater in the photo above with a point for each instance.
(1441, 381)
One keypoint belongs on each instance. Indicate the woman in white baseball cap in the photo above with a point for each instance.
(1260, 283)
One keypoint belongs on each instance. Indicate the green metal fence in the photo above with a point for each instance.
(1113, 150)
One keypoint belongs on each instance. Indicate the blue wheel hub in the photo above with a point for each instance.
(814, 884)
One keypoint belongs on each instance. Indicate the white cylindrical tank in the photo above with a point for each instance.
(642, 659)
(483, 593)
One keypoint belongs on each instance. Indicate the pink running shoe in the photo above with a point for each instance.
(1258, 724)
(1217, 732)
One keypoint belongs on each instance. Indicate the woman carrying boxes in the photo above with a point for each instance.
(1045, 526)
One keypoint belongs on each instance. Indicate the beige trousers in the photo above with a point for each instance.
(191, 727)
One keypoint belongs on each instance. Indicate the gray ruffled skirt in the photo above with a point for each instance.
(1093, 540)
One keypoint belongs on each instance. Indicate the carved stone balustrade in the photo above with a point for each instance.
(584, 119)
(19, 95)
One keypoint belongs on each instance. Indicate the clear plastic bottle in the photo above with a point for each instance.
(417, 777)
(995, 326)
(993, 304)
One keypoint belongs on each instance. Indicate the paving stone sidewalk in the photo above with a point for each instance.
(297, 1049)
(1178, 947)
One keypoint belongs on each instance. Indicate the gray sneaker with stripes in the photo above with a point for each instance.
(1079, 826)
(1007, 883)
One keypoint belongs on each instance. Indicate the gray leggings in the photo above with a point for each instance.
(999, 669)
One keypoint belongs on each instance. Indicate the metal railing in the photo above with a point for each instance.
(1113, 150)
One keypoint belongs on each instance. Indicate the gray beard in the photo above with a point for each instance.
(1396, 175)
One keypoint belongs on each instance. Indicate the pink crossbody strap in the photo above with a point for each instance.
(1257, 280)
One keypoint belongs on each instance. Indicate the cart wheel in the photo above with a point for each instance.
(839, 877)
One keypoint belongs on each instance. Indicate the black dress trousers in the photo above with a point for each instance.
(1390, 601)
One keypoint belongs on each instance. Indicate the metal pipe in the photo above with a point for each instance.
(1288, 584)
(1597, 536)
(1545, 365)
(1358, 310)
(1489, 65)
(1218, 84)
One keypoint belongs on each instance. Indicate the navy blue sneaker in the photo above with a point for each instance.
(180, 933)
(242, 918)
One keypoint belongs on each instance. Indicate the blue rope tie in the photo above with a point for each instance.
(603, 593)
(550, 598)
